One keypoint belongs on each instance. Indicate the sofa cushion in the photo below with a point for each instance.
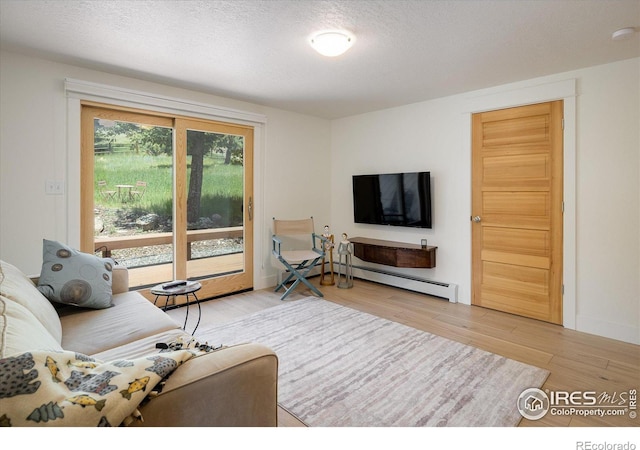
(142, 347)
(132, 317)
(75, 278)
(21, 331)
(16, 286)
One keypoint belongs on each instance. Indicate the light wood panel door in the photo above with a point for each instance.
(517, 210)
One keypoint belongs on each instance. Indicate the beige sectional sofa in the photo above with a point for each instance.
(235, 386)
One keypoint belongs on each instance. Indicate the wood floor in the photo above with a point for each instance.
(577, 361)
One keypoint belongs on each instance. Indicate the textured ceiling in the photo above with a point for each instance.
(257, 50)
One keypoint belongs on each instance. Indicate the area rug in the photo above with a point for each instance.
(342, 367)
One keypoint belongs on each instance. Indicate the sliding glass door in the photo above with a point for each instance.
(216, 232)
(169, 197)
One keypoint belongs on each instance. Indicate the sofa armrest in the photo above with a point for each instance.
(235, 386)
(120, 281)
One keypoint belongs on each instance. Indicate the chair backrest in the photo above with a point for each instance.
(102, 184)
(292, 227)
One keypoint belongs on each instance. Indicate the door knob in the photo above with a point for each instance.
(477, 219)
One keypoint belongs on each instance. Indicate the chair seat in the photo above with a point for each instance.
(299, 255)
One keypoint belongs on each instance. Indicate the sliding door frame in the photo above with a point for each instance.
(79, 91)
(217, 284)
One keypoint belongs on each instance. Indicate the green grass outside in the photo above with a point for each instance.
(222, 186)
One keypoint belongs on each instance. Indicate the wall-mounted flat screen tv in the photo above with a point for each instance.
(399, 199)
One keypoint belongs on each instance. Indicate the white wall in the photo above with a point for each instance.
(608, 222)
(417, 137)
(34, 148)
(296, 177)
(321, 156)
(434, 136)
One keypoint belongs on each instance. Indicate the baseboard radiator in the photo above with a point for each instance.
(448, 291)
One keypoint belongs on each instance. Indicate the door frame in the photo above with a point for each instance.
(521, 94)
(78, 91)
(537, 261)
(213, 283)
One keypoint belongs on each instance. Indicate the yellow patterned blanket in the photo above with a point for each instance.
(46, 388)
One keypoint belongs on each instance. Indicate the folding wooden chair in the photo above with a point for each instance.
(106, 194)
(298, 262)
(138, 191)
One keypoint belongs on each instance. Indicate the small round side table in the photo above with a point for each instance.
(189, 288)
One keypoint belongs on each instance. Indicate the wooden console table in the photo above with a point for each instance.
(397, 254)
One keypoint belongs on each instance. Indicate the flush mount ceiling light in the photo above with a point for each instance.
(332, 43)
(623, 34)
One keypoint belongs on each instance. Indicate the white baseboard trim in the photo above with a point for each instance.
(447, 291)
(591, 325)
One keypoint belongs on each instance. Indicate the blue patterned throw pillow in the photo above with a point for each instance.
(75, 278)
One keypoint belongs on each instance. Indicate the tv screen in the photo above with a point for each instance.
(399, 199)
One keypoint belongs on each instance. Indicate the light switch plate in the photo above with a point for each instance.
(54, 187)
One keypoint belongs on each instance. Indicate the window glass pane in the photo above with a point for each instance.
(133, 201)
(215, 184)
